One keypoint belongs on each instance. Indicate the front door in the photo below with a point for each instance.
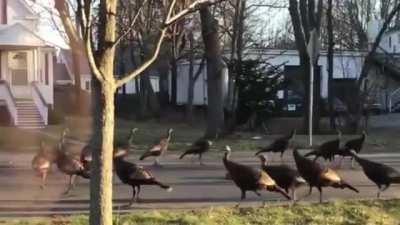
(19, 73)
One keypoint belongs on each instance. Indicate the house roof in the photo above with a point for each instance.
(393, 29)
(17, 35)
(28, 8)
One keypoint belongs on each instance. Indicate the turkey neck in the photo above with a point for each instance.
(226, 157)
(291, 135)
(264, 163)
(130, 138)
(363, 137)
(169, 135)
(297, 157)
(118, 160)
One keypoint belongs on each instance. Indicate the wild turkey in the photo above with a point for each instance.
(286, 177)
(69, 165)
(279, 145)
(159, 149)
(86, 156)
(134, 175)
(42, 161)
(198, 148)
(318, 175)
(86, 153)
(326, 150)
(382, 175)
(127, 144)
(248, 179)
(353, 144)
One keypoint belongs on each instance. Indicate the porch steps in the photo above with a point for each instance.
(28, 115)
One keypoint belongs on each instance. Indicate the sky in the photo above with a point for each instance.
(269, 19)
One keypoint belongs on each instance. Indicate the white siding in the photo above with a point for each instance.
(131, 88)
(346, 64)
(200, 87)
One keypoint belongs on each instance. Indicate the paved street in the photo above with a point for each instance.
(194, 186)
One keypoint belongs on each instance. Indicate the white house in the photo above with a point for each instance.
(64, 70)
(347, 67)
(26, 68)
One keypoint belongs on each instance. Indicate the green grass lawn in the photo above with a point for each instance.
(335, 213)
(380, 140)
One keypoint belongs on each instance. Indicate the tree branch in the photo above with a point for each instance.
(73, 36)
(191, 8)
(200, 69)
(131, 25)
(168, 21)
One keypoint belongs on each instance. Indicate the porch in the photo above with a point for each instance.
(26, 77)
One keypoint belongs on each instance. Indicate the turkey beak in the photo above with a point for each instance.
(262, 158)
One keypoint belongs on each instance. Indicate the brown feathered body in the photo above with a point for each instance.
(160, 148)
(286, 177)
(199, 147)
(318, 175)
(248, 179)
(382, 175)
(43, 160)
(279, 145)
(135, 176)
(353, 144)
(326, 150)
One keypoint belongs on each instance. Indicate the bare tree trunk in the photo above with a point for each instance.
(77, 77)
(215, 113)
(233, 92)
(331, 44)
(101, 63)
(149, 104)
(163, 68)
(304, 18)
(174, 76)
(356, 109)
(101, 181)
(191, 82)
(192, 79)
(143, 98)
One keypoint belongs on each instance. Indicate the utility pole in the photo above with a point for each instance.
(313, 52)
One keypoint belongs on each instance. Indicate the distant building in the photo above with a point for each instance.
(30, 67)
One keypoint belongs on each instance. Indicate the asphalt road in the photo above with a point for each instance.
(194, 186)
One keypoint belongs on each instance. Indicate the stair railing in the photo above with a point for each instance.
(40, 102)
(8, 97)
(394, 95)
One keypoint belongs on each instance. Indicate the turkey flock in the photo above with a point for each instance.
(279, 178)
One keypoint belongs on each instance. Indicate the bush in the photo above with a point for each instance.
(257, 85)
(56, 117)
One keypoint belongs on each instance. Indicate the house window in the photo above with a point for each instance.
(18, 67)
(87, 85)
(46, 68)
(3, 11)
(390, 42)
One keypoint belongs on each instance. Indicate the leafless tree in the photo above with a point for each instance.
(101, 55)
(305, 17)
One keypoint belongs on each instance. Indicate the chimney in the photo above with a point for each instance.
(3, 11)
